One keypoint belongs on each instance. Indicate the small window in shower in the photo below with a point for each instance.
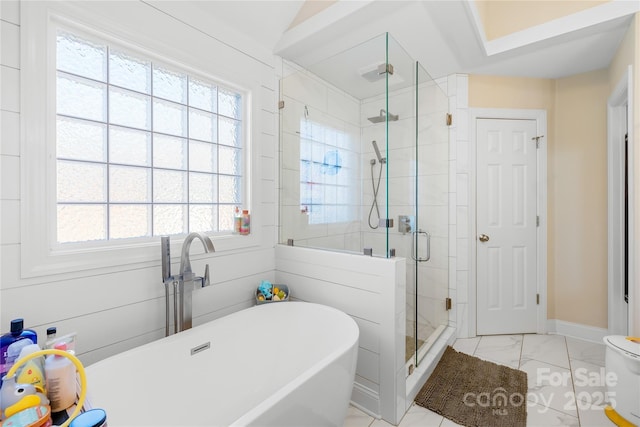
(328, 174)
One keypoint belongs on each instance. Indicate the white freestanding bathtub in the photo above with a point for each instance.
(278, 364)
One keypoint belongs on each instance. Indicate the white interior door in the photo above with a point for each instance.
(506, 249)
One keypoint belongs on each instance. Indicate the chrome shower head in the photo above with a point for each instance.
(381, 159)
(382, 117)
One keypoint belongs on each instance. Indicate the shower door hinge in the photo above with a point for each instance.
(538, 299)
(385, 68)
(449, 119)
(280, 105)
(447, 303)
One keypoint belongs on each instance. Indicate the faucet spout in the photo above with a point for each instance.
(187, 278)
(185, 262)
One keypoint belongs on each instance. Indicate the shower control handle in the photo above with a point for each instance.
(414, 246)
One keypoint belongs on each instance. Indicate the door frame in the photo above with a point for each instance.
(540, 116)
(619, 121)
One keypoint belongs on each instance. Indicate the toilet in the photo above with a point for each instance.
(623, 358)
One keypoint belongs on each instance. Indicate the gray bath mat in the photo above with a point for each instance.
(475, 393)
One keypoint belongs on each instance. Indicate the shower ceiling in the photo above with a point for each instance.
(359, 71)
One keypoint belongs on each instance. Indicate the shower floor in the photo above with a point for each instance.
(410, 347)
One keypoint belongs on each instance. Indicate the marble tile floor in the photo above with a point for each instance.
(565, 378)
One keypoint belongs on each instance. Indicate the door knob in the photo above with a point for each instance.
(483, 238)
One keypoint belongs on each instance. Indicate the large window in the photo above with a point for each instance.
(328, 174)
(142, 148)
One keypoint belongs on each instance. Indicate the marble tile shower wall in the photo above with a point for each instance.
(459, 204)
(114, 309)
(333, 119)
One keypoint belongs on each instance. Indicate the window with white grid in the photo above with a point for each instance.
(143, 149)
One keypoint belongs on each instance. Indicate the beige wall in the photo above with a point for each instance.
(579, 201)
(501, 18)
(576, 191)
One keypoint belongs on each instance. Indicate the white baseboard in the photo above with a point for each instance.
(576, 330)
(365, 399)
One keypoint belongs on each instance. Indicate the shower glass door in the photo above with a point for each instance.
(430, 243)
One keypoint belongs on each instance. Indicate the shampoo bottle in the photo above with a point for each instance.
(237, 221)
(10, 344)
(245, 226)
(60, 376)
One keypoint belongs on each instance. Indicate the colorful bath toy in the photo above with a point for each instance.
(265, 289)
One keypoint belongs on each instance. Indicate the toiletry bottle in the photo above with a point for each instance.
(237, 220)
(51, 335)
(10, 344)
(60, 376)
(245, 227)
(32, 371)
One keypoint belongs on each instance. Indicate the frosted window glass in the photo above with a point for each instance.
(305, 149)
(202, 156)
(203, 95)
(202, 125)
(169, 152)
(129, 108)
(169, 186)
(81, 98)
(305, 194)
(82, 57)
(129, 221)
(129, 72)
(203, 188)
(142, 149)
(169, 118)
(169, 219)
(305, 171)
(229, 132)
(230, 187)
(81, 223)
(317, 152)
(203, 218)
(81, 140)
(81, 182)
(129, 146)
(129, 184)
(225, 215)
(229, 160)
(229, 103)
(330, 194)
(169, 85)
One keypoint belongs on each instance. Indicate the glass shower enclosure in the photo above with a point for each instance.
(364, 168)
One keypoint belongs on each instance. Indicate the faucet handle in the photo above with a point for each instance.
(205, 279)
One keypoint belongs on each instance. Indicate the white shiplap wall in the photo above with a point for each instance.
(372, 290)
(114, 309)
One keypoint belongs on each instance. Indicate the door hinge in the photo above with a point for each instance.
(537, 140)
(449, 119)
(447, 303)
(280, 105)
(537, 220)
(538, 299)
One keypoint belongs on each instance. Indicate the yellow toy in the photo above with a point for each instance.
(79, 368)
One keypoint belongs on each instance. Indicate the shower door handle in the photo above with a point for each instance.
(414, 246)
